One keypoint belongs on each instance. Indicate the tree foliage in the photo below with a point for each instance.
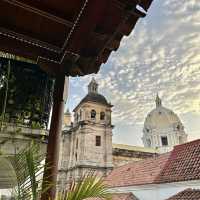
(28, 170)
(88, 187)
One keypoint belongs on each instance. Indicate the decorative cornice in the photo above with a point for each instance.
(87, 167)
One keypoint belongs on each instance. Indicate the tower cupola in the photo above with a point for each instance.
(93, 86)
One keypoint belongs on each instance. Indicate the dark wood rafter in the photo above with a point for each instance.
(29, 40)
(40, 12)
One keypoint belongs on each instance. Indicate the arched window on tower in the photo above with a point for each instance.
(102, 115)
(93, 114)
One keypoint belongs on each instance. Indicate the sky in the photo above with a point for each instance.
(162, 55)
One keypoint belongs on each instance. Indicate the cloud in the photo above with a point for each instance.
(161, 55)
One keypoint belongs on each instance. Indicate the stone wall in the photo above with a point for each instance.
(124, 156)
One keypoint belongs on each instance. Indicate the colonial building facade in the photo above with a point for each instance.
(87, 145)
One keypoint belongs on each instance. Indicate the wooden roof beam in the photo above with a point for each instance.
(29, 40)
(40, 12)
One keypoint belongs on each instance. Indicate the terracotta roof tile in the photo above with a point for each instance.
(182, 164)
(119, 196)
(188, 194)
(137, 173)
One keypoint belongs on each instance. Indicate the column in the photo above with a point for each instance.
(52, 157)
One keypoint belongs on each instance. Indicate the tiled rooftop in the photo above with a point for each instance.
(182, 164)
(119, 196)
(188, 194)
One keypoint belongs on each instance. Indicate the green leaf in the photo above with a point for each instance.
(88, 187)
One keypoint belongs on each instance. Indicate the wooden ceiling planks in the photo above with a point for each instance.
(73, 37)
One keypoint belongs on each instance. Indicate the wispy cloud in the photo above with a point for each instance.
(161, 55)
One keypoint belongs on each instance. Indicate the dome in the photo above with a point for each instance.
(160, 118)
(163, 129)
(95, 97)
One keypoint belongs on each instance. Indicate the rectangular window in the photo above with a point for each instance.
(98, 141)
(164, 140)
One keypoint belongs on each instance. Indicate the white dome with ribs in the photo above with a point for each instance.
(163, 128)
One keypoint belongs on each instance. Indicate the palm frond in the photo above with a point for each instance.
(88, 187)
(28, 172)
(28, 169)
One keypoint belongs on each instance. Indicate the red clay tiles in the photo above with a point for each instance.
(182, 164)
(119, 196)
(188, 194)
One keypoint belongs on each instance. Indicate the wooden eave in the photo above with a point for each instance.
(73, 37)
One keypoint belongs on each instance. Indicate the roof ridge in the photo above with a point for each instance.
(130, 194)
(187, 143)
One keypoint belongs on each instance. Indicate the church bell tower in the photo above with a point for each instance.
(87, 146)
